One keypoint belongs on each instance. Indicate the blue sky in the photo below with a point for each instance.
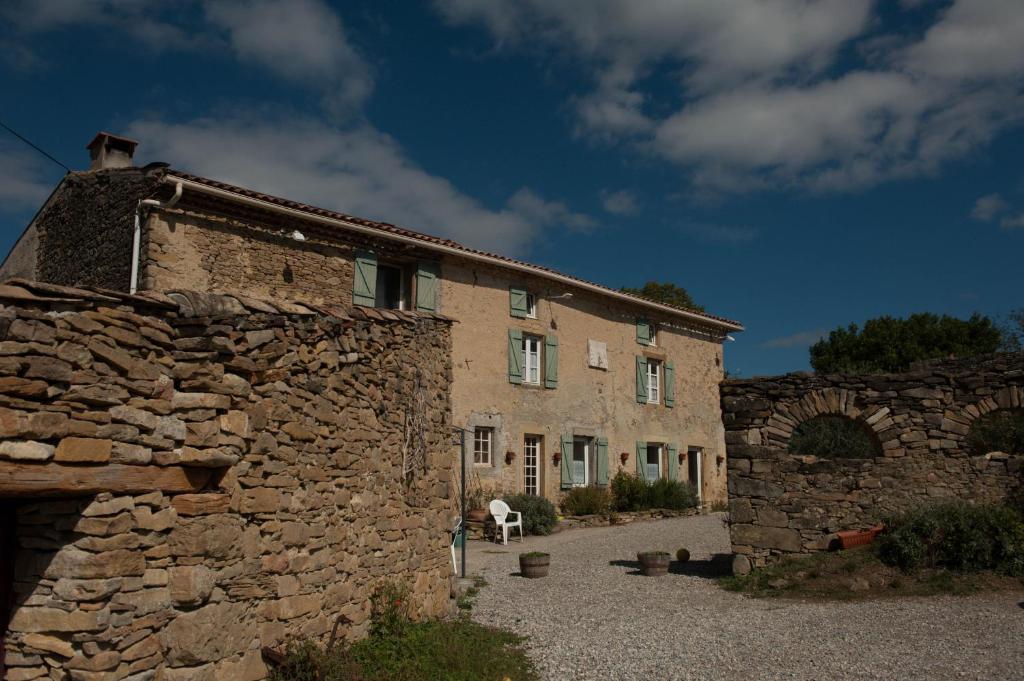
(795, 165)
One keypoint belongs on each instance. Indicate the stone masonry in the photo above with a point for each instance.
(324, 433)
(783, 503)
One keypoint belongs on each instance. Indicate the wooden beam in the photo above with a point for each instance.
(60, 480)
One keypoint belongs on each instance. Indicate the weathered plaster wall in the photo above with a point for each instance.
(587, 401)
(311, 420)
(783, 503)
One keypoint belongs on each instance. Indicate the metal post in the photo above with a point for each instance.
(462, 447)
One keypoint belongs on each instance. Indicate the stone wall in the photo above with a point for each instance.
(325, 435)
(783, 503)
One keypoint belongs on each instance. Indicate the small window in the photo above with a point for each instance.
(392, 290)
(532, 359)
(531, 306)
(653, 331)
(653, 381)
(483, 445)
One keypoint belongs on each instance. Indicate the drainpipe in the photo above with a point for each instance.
(137, 233)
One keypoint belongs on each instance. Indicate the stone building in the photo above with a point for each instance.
(557, 381)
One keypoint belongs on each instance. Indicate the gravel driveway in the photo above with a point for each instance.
(593, 618)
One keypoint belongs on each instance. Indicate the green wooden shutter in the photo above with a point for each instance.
(566, 461)
(427, 277)
(517, 302)
(364, 279)
(670, 384)
(515, 356)
(641, 379)
(643, 332)
(550, 362)
(602, 461)
(673, 462)
(641, 459)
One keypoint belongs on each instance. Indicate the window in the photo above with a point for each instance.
(693, 470)
(392, 289)
(652, 330)
(653, 381)
(531, 306)
(581, 458)
(531, 359)
(653, 462)
(483, 445)
(531, 464)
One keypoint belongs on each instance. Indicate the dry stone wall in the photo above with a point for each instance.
(785, 503)
(325, 434)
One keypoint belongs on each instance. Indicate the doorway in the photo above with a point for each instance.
(694, 461)
(531, 464)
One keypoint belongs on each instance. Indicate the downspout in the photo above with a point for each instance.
(137, 234)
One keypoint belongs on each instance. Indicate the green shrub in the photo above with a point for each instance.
(538, 512)
(389, 609)
(631, 493)
(1001, 431)
(586, 501)
(956, 536)
(628, 492)
(833, 436)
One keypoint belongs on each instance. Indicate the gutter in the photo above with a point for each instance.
(449, 250)
(137, 232)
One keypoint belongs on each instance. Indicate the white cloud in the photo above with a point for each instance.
(757, 97)
(359, 171)
(622, 202)
(988, 207)
(802, 339)
(23, 181)
(300, 40)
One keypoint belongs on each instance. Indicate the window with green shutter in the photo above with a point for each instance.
(515, 356)
(602, 461)
(673, 462)
(427, 284)
(670, 384)
(644, 332)
(641, 379)
(550, 362)
(641, 459)
(518, 302)
(364, 280)
(566, 467)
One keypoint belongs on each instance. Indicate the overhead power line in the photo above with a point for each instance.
(34, 146)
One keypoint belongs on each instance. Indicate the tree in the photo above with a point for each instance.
(1013, 332)
(667, 293)
(887, 344)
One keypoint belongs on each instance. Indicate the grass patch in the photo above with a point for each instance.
(454, 650)
(466, 600)
(858, 574)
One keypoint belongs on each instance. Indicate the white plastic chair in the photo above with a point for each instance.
(501, 511)
(455, 537)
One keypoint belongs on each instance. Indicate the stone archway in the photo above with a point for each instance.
(787, 416)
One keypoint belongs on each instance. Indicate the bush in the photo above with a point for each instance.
(833, 436)
(586, 501)
(1001, 431)
(538, 512)
(956, 536)
(628, 492)
(631, 493)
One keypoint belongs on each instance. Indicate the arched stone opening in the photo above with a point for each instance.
(835, 436)
(787, 417)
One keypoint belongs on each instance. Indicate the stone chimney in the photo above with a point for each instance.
(110, 151)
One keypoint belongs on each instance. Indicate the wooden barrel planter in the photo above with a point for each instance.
(653, 563)
(534, 564)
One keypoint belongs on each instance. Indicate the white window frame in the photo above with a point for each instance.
(532, 362)
(587, 455)
(483, 446)
(653, 381)
(654, 333)
(661, 457)
(531, 306)
(531, 464)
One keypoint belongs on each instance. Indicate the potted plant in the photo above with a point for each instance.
(534, 564)
(653, 563)
(476, 501)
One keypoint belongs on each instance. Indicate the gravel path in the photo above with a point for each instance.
(592, 618)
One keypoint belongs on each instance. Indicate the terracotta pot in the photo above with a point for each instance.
(533, 567)
(848, 539)
(653, 563)
(477, 515)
